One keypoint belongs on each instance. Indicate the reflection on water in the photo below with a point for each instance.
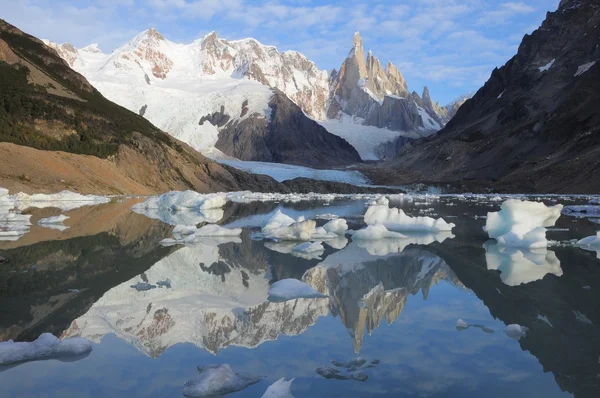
(155, 313)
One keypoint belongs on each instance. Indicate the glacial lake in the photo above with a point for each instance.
(394, 303)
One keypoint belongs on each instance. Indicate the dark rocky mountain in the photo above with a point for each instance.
(533, 126)
(288, 137)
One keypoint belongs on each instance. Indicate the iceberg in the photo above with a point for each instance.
(338, 226)
(291, 289)
(47, 346)
(216, 380)
(279, 389)
(520, 266)
(522, 223)
(65, 200)
(183, 208)
(395, 219)
(591, 243)
(375, 232)
(515, 331)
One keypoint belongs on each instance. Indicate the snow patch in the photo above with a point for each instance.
(584, 68)
(547, 66)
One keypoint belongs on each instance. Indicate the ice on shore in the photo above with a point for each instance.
(519, 266)
(217, 380)
(279, 389)
(291, 289)
(47, 346)
(395, 219)
(522, 223)
(375, 232)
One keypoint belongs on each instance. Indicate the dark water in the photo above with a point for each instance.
(392, 303)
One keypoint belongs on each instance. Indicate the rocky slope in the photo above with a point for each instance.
(57, 132)
(533, 126)
(209, 91)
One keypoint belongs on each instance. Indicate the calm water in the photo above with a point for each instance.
(392, 302)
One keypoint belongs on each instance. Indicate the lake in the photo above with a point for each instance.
(155, 313)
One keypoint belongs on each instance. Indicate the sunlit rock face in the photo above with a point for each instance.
(365, 290)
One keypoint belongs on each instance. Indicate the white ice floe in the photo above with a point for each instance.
(375, 232)
(283, 227)
(217, 380)
(188, 235)
(326, 216)
(53, 220)
(522, 223)
(460, 324)
(591, 243)
(338, 226)
(279, 389)
(291, 289)
(515, 331)
(395, 219)
(46, 346)
(65, 200)
(519, 266)
(183, 208)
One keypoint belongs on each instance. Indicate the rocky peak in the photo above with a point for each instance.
(396, 78)
(426, 97)
(66, 51)
(92, 48)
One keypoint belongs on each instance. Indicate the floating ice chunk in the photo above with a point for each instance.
(183, 208)
(301, 231)
(338, 226)
(326, 216)
(460, 324)
(521, 223)
(590, 240)
(279, 389)
(290, 289)
(217, 230)
(46, 346)
(396, 220)
(184, 230)
(383, 247)
(64, 200)
(515, 331)
(520, 266)
(217, 380)
(375, 232)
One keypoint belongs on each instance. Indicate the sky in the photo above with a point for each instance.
(449, 45)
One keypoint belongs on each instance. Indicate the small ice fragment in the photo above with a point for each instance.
(279, 389)
(217, 380)
(515, 331)
(460, 324)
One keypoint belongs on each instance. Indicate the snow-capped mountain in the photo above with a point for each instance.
(363, 88)
(214, 93)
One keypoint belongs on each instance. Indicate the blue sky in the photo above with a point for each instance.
(449, 45)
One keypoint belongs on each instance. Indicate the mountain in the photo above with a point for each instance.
(533, 126)
(218, 96)
(364, 89)
(58, 132)
(207, 93)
